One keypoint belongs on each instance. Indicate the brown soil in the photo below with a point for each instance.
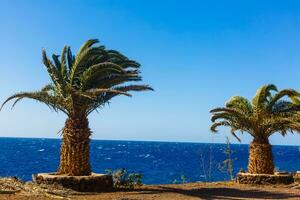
(217, 190)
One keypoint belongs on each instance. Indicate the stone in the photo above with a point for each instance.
(247, 178)
(92, 183)
(281, 173)
(297, 177)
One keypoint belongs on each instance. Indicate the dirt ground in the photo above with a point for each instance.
(218, 190)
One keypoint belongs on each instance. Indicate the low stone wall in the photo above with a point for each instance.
(92, 183)
(247, 178)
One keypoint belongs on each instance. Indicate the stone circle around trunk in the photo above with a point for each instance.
(248, 178)
(92, 183)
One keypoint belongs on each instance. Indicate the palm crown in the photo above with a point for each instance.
(266, 114)
(85, 82)
(80, 85)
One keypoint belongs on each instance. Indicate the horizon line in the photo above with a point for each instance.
(158, 141)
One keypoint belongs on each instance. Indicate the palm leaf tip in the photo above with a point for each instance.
(148, 87)
(219, 109)
(234, 135)
(17, 96)
(88, 44)
(134, 88)
(213, 129)
(214, 118)
(212, 110)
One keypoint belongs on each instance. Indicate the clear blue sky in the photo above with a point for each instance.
(196, 54)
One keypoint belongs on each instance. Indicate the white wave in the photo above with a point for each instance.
(146, 156)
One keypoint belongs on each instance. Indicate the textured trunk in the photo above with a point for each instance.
(75, 148)
(260, 157)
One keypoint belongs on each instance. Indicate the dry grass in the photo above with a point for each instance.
(11, 188)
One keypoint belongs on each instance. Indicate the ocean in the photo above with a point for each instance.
(159, 162)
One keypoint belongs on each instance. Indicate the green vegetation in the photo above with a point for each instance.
(181, 180)
(123, 179)
(227, 165)
(81, 84)
(207, 163)
(267, 114)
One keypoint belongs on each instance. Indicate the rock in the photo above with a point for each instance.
(247, 178)
(297, 177)
(91, 183)
(281, 173)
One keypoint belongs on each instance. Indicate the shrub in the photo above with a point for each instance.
(227, 165)
(123, 179)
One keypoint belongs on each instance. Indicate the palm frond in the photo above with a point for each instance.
(92, 74)
(84, 82)
(215, 125)
(240, 103)
(53, 71)
(134, 88)
(287, 92)
(52, 101)
(268, 113)
(63, 64)
(260, 99)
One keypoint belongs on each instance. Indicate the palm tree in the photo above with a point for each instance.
(80, 85)
(266, 115)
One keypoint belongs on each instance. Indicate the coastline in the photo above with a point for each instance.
(152, 141)
(201, 190)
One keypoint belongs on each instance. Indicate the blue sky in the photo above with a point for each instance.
(196, 55)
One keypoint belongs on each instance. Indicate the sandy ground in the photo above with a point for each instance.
(220, 190)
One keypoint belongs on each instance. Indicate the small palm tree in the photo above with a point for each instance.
(80, 85)
(266, 115)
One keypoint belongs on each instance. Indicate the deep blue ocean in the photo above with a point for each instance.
(159, 162)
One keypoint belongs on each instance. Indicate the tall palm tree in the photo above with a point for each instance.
(267, 114)
(81, 84)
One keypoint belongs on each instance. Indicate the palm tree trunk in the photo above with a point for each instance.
(75, 148)
(260, 157)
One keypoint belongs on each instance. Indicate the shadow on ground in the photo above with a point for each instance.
(221, 193)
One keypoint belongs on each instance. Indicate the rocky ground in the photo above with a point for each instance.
(11, 188)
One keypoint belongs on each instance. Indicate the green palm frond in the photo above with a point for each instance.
(228, 110)
(56, 63)
(266, 115)
(292, 94)
(260, 99)
(134, 88)
(53, 72)
(240, 103)
(63, 64)
(97, 92)
(70, 58)
(97, 72)
(87, 81)
(52, 101)
(215, 125)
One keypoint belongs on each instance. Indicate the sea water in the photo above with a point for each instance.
(159, 162)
